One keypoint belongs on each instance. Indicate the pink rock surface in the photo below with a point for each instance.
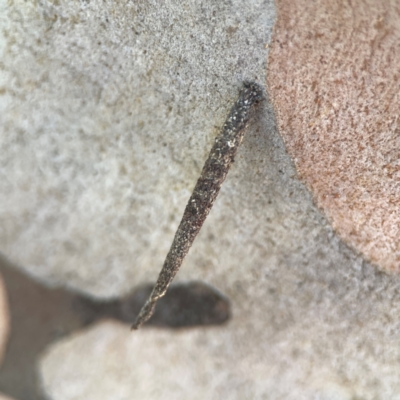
(334, 80)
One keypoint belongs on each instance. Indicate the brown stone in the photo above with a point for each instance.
(334, 80)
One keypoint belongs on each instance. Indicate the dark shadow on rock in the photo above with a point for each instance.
(185, 305)
(41, 315)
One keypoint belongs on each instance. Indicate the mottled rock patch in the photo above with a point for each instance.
(334, 79)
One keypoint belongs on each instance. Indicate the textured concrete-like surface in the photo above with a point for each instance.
(94, 195)
(107, 113)
(334, 79)
(329, 333)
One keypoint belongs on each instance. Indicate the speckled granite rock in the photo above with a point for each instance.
(115, 106)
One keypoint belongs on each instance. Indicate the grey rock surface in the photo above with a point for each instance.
(108, 111)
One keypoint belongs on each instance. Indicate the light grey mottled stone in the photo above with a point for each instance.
(108, 112)
(304, 360)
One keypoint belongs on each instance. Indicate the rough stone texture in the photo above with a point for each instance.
(110, 142)
(107, 113)
(4, 319)
(326, 351)
(334, 79)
